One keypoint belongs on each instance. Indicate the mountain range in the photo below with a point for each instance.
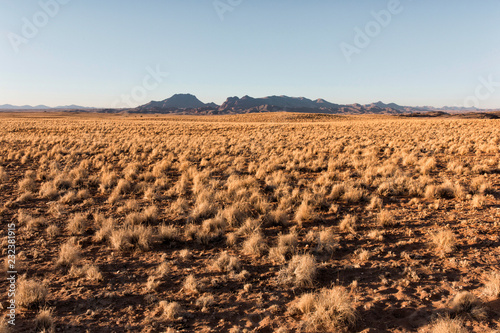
(42, 107)
(190, 104)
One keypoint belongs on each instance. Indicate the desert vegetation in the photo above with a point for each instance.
(252, 223)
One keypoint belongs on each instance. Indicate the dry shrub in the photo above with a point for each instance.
(52, 231)
(191, 285)
(27, 185)
(106, 228)
(444, 241)
(255, 245)
(467, 303)
(327, 311)
(77, 224)
(492, 285)
(385, 219)
(89, 272)
(226, 263)
(478, 201)
(375, 203)
(48, 191)
(300, 271)
(205, 301)
(69, 254)
(348, 224)
(448, 325)
(30, 293)
(324, 240)
(44, 321)
(168, 233)
(304, 213)
(171, 310)
(286, 247)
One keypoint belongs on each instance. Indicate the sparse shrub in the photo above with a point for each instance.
(492, 285)
(300, 271)
(44, 321)
(327, 311)
(467, 303)
(191, 285)
(448, 325)
(304, 213)
(478, 201)
(348, 224)
(30, 293)
(226, 263)
(77, 224)
(69, 254)
(444, 241)
(205, 301)
(255, 245)
(168, 233)
(385, 219)
(170, 310)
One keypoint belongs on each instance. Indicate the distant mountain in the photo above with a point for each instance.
(42, 107)
(189, 104)
(176, 102)
(283, 102)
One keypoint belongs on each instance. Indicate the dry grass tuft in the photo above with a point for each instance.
(444, 241)
(348, 224)
(171, 310)
(30, 293)
(300, 271)
(492, 285)
(448, 325)
(385, 219)
(467, 303)
(226, 263)
(69, 254)
(327, 311)
(44, 321)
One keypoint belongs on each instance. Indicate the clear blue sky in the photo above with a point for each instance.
(92, 52)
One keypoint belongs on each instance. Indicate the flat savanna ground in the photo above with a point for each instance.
(258, 223)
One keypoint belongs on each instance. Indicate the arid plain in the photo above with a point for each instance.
(254, 223)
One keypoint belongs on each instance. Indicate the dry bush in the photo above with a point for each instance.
(205, 301)
(30, 293)
(168, 233)
(27, 185)
(48, 191)
(327, 311)
(286, 247)
(52, 231)
(255, 245)
(171, 310)
(226, 263)
(77, 224)
(467, 303)
(89, 272)
(444, 241)
(105, 230)
(492, 285)
(44, 321)
(69, 254)
(448, 325)
(304, 213)
(191, 285)
(478, 201)
(300, 271)
(348, 224)
(385, 219)
(375, 203)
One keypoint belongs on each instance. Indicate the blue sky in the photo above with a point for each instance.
(100, 53)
